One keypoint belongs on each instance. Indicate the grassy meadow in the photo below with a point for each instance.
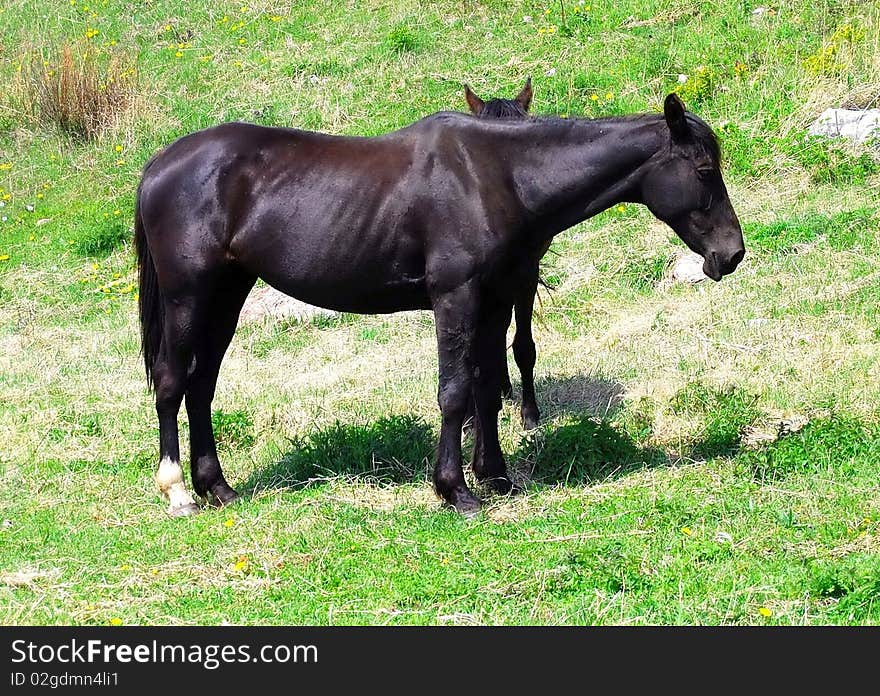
(708, 454)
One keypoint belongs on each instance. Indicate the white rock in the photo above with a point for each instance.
(269, 303)
(858, 125)
(682, 78)
(688, 268)
(551, 72)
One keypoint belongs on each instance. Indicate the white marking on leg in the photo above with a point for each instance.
(169, 478)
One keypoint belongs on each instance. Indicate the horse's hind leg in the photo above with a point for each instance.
(488, 461)
(218, 326)
(524, 352)
(170, 377)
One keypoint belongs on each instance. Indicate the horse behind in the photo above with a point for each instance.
(524, 352)
(450, 213)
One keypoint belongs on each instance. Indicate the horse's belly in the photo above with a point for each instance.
(347, 295)
(343, 272)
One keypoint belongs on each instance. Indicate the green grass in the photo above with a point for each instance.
(708, 453)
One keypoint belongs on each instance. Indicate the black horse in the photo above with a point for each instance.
(449, 213)
(523, 343)
(518, 107)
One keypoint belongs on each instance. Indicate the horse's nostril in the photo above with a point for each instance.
(737, 257)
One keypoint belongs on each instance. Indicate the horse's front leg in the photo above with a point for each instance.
(455, 320)
(488, 461)
(524, 350)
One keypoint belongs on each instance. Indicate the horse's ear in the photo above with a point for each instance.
(673, 110)
(524, 98)
(474, 102)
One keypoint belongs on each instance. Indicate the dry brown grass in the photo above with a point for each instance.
(80, 90)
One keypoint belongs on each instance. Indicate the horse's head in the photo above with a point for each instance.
(684, 189)
(517, 107)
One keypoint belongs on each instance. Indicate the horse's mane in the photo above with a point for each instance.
(702, 133)
(700, 130)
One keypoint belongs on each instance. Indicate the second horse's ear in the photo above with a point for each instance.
(524, 98)
(673, 110)
(475, 104)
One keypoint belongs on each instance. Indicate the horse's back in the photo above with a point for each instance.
(349, 223)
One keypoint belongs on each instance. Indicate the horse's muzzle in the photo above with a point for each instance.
(716, 266)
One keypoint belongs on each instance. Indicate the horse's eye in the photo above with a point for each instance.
(705, 172)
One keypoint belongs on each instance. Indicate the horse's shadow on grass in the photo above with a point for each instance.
(586, 436)
(578, 395)
(394, 449)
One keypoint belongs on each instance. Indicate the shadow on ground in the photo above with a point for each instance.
(578, 395)
(581, 450)
(578, 442)
(396, 449)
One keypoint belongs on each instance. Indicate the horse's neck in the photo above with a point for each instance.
(572, 171)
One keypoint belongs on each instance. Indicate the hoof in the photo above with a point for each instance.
(187, 510)
(530, 420)
(500, 485)
(466, 504)
(222, 494)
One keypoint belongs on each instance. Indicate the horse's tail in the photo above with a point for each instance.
(152, 314)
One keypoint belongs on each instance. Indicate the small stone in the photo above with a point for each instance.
(551, 72)
(688, 268)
